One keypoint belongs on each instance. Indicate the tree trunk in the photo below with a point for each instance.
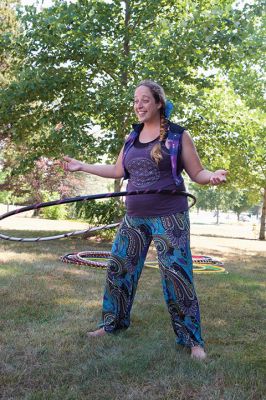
(217, 216)
(118, 185)
(263, 215)
(119, 200)
(36, 212)
(117, 188)
(124, 77)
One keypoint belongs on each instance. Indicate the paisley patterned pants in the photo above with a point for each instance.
(171, 238)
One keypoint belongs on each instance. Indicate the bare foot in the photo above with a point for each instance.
(198, 353)
(97, 333)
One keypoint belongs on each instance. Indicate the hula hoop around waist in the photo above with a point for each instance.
(83, 198)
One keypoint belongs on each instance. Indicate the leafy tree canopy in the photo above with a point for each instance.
(81, 61)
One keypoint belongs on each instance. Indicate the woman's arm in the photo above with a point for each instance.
(105, 171)
(193, 166)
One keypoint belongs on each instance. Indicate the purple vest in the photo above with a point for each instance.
(144, 173)
(174, 134)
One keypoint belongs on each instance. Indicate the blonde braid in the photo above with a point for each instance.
(156, 151)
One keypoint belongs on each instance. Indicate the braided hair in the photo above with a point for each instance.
(159, 96)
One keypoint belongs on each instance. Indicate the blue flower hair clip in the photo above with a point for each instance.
(168, 109)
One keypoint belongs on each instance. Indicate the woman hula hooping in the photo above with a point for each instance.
(153, 157)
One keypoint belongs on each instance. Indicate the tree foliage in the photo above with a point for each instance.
(37, 183)
(224, 199)
(81, 69)
(9, 29)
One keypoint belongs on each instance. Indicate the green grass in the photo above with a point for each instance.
(47, 307)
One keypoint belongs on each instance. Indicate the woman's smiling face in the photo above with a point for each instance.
(145, 106)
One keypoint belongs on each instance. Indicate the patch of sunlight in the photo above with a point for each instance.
(45, 267)
(46, 257)
(78, 272)
(72, 301)
(220, 322)
(9, 271)
(19, 257)
(92, 303)
(67, 300)
(5, 273)
(259, 284)
(253, 284)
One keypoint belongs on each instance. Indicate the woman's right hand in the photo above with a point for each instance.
(72, 165)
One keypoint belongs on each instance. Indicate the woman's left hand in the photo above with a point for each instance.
(218, 177)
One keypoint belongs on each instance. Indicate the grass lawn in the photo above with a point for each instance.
(47, 307)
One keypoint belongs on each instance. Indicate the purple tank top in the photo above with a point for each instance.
(144, 174)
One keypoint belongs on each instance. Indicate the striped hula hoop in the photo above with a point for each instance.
(83, 198)
(99, 259)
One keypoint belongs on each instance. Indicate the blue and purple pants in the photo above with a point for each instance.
(170, 235)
